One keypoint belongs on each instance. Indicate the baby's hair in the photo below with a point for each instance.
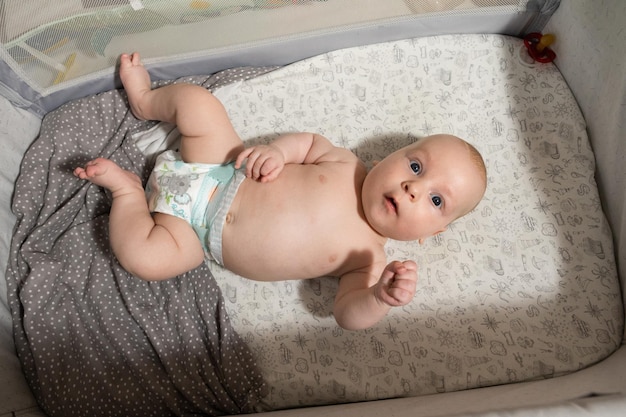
(475, 157)
(479, 163)
(478, 160)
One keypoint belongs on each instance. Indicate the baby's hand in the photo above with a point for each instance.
(396, 286)
(264, 164)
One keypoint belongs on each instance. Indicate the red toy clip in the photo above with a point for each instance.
(537, 45)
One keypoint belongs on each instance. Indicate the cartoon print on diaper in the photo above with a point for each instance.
(174, 188)
(187, 190)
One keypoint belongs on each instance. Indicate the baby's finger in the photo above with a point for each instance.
(274, 169)
(408, 283)
(388, 274)
(253, 163)
(399, 296)
(259, 160)
(410, 265)
(268, 166)
(241, 157)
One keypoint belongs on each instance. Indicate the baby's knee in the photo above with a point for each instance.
(150, 266)
(136, 266)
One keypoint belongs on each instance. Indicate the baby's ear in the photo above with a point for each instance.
(441, 231)
(421, 240)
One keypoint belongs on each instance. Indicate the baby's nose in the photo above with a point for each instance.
(412, 189)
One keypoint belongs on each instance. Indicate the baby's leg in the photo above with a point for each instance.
(207, 134)
(136, 81)
(148, 249)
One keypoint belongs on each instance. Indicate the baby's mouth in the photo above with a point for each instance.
(391, 203)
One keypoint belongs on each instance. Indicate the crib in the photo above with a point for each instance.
(519, 309)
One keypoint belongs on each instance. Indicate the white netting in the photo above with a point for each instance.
(56, 41)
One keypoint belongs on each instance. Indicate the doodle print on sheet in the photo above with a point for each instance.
(523, 287)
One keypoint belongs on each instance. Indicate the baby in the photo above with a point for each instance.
(297, 208)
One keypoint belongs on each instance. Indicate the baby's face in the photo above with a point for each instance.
(417, 191)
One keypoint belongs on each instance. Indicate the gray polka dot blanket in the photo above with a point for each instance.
(94, 340)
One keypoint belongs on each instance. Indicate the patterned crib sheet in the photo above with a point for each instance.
(524, 287)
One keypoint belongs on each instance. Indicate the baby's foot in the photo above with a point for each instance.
(136, 81)
(108, 174)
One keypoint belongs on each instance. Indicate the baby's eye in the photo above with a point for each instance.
(416, 167)
(437, 201)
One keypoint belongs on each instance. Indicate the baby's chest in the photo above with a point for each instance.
(304, 193)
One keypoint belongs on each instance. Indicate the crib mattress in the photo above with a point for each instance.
(524, 287)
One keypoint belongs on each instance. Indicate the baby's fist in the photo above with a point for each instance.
(264, 164)
(397, 283)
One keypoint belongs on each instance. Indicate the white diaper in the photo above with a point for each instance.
(199, 193)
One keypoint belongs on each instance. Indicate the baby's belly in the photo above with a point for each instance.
(277, 262)
(280, 249)
(279, 231)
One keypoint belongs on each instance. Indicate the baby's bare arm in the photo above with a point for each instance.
(359, 304)
(306, 148)
(265, 162)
